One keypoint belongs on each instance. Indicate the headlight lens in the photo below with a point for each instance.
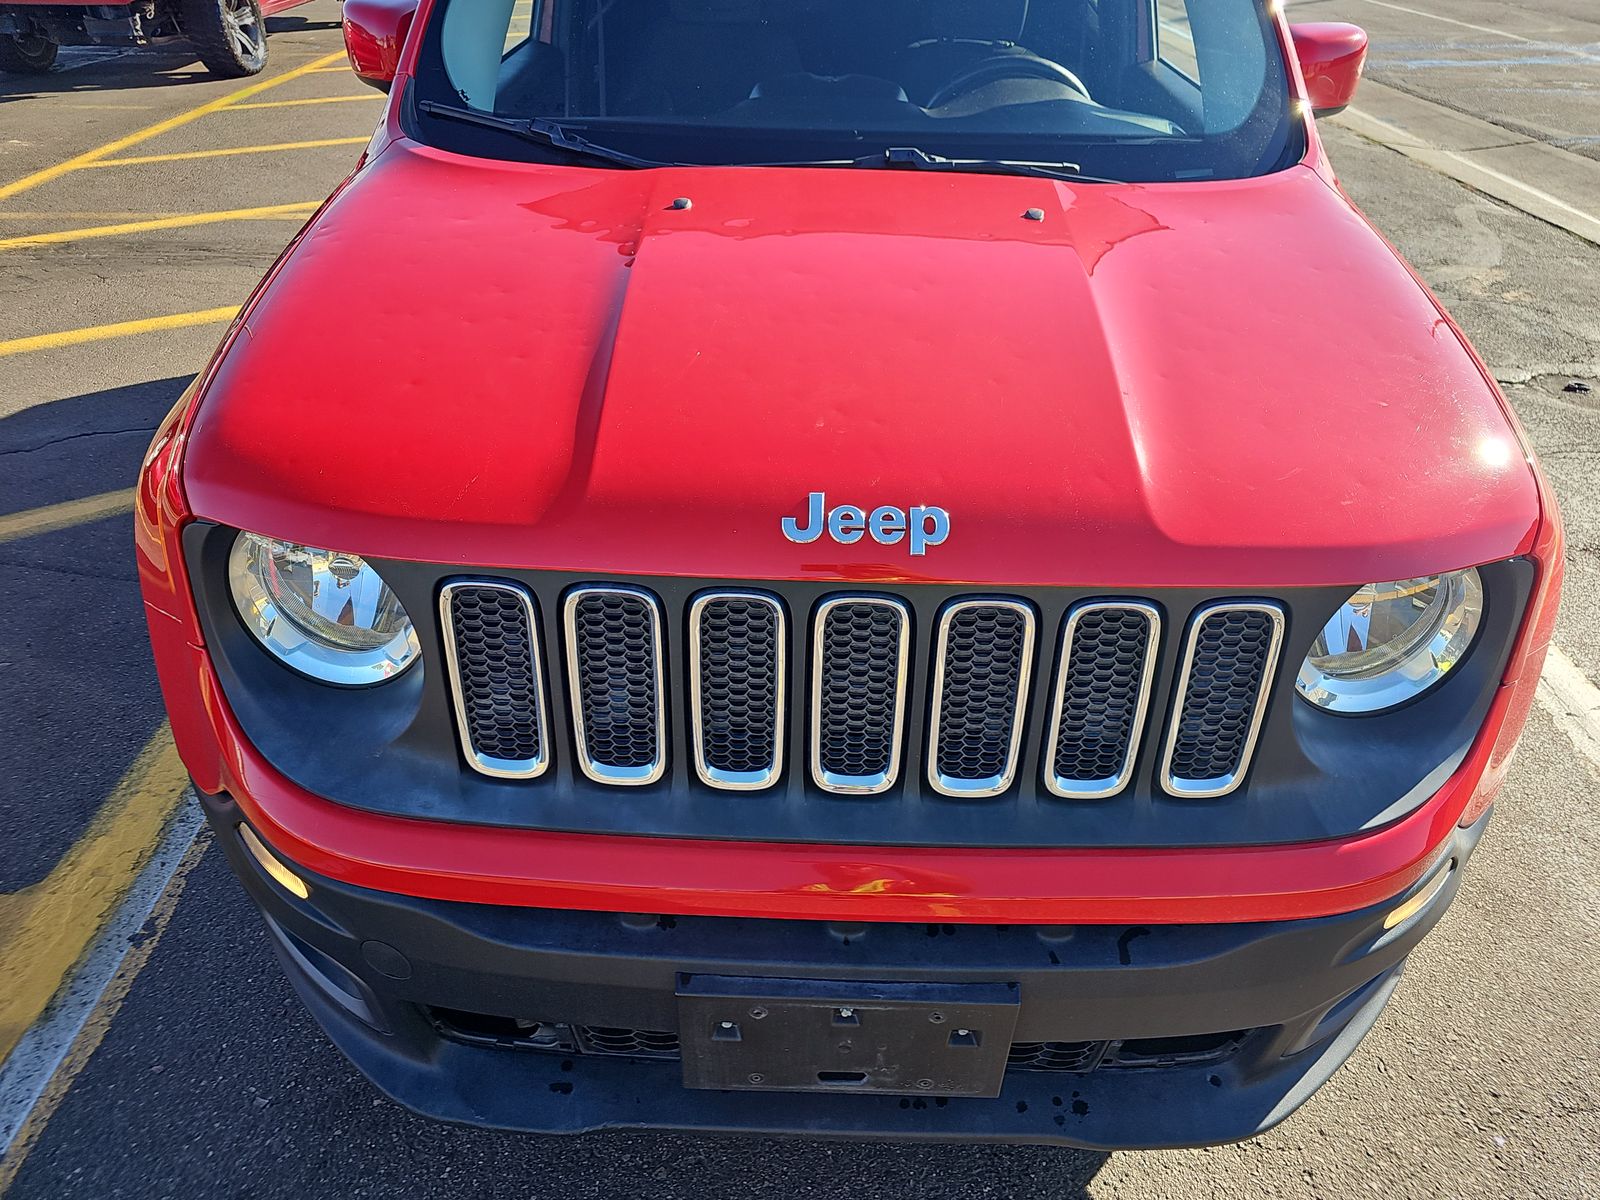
(1391, 642)
(326, 614)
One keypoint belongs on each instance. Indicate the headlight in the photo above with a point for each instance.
(324, 613)
(1391, 642)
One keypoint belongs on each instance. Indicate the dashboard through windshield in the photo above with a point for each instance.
(1138, 90)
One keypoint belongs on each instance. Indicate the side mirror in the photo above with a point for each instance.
(1331, 58)
(374, 34)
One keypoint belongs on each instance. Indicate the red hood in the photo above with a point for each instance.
(1230, 384)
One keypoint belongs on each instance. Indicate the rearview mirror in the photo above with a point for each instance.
(1331, 58)
(374, 34)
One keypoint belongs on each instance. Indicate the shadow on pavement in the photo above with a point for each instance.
(82, 445)
(91, 70)
(78, 696)
(291, 23)
(86, 70)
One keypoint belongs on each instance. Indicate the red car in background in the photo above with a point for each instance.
(230, 36)
(898, 570)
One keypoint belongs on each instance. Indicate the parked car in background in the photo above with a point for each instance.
(230, 36)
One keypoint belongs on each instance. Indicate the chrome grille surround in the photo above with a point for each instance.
(893, 737)
(860, 712)
(939, 724)
(777, 684)
(1074, 788)
(1191, 694)
(524, 706)
(652, 707)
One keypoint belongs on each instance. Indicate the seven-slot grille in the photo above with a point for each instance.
(1095, 718)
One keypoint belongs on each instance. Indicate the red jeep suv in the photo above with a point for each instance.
(908, 570)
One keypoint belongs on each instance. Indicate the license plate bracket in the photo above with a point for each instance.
(806, 1035)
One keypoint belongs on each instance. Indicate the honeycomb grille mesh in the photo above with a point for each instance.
(1100, 694)
(739, 681)
(519, 1033)
(1068, 1057)
(616, 679)
(985, 648)
(633, 1043)
(1231, 651)
(858, 688)
(497, 677)
(614, 643)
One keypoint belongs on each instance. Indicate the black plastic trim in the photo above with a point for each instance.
(1308, 989)
(393, 749)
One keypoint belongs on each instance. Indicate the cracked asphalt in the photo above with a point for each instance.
(209, 1080)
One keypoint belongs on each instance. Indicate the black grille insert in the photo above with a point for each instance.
(493, 650)
(738, 682)
(859, 684)
(1066, 1058)
(628, 1043)
(984, 658)
(1144, 1054)
(1132, 1054)
(614, 660)
(1222, 692)
(516, 1033)
(1102, 696)
(858, 698)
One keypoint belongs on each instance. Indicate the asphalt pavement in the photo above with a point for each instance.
(1530, 66)
(196, 1073)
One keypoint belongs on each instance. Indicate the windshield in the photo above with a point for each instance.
(1122, 89)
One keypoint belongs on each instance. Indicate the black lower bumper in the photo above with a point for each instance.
(419, 994)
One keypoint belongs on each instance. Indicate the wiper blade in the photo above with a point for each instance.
(537, 129)
(920, 160)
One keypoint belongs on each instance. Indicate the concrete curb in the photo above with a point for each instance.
(1486, 157)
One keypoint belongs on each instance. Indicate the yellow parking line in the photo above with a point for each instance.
(273, 148)
(95, 333)
(341, 69)
(99, 1022)
(35, 521)
(160, 127)
(23, 214)
(55, 237)
(45, 928)
(303, 103)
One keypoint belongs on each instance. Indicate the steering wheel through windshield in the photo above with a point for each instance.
(1006, 66)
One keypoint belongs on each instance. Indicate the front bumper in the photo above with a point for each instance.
(375, 968)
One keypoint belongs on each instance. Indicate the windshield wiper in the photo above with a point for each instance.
(913, 158)
(554, 134)
(536, 129)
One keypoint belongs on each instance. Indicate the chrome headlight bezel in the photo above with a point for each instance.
(1382, 677)
(292, 639)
